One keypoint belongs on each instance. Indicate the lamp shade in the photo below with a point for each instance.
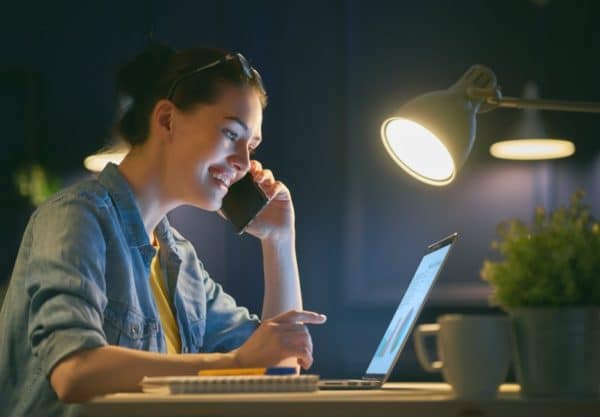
(431, 136)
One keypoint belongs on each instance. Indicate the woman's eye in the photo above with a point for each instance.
(230, 134)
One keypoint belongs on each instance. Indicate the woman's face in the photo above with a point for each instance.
(211, 145)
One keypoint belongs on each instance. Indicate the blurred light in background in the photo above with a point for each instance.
(532, 149)
(98, 161)
(529, 140)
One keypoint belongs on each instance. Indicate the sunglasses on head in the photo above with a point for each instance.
(249, 72)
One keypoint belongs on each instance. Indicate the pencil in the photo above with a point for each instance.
(232, 371)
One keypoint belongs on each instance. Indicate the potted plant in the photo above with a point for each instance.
(549, 282)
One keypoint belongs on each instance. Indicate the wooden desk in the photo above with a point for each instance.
(395, 399)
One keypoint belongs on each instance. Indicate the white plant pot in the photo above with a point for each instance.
(557, 351)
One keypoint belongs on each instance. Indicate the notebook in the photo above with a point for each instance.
(230, 384)
(406, 315)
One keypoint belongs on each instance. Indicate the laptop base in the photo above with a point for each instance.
(348, 384)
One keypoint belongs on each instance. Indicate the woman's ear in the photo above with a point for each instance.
(162, 117)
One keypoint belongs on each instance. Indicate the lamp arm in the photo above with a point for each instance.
(557, 105)
(493, 98)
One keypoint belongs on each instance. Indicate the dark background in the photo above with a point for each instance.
(334, 70)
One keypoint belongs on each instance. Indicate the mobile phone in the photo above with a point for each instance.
(243, 202)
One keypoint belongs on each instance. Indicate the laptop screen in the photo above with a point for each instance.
(410, 306)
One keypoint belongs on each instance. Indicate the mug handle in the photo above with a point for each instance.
(420, 333)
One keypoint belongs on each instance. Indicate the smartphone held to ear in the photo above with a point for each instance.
(243, 202)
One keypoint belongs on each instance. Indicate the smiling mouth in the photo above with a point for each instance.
(223, 180)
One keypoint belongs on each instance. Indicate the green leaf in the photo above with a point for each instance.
(553, 262)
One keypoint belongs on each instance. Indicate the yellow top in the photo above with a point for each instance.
(165, 312)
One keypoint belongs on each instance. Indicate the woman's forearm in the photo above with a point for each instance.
(282, 280)
(90, 373)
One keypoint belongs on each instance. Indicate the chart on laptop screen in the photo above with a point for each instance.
(399, 328)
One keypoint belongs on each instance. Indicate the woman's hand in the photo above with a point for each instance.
(276, 220)
(283, 336)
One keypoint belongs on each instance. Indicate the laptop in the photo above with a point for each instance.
(399, 329)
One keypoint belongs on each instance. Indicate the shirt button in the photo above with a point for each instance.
(135, 329)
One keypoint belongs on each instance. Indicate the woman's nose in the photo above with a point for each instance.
(241, 160)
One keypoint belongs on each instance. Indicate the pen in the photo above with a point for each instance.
(279, 370)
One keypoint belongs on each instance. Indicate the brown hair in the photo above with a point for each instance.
(148, 77)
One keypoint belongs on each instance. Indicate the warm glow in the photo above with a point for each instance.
(97, 162)
(418, 151)
(532, 149)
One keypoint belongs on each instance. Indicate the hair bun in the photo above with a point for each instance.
(138, 85)
(141, 76)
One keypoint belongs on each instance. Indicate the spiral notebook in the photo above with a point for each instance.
(230, 384)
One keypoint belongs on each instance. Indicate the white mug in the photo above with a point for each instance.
(474, 352)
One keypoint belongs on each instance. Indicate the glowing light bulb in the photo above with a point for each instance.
(418, 151)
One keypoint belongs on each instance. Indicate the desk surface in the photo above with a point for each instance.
(397, 399)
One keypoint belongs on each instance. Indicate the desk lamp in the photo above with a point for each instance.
(432, 135)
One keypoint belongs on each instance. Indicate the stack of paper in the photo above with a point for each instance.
(224, 384)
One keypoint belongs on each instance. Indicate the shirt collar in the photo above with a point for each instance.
(129, 212)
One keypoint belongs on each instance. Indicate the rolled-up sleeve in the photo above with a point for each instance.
(228, 325)
(65, 281)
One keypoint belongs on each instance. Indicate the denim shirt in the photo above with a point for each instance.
(81, 280)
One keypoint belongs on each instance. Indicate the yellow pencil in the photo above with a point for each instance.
(232, 371)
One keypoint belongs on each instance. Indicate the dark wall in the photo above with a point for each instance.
(334, 70)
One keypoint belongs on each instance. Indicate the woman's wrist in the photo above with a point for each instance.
(234, 359)
(218, 360)
(279, 238)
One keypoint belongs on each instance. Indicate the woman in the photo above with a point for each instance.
(103, 287)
